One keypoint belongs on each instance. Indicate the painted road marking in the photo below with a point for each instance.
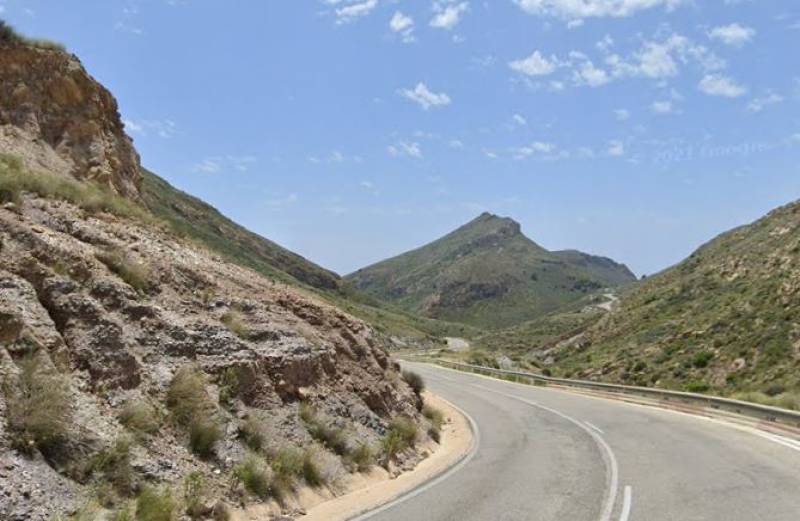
(612, 468)
(786, 442)
(595, 427)
(476, 441)
(627, 502)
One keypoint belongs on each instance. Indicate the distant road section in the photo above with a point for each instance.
(552, 455)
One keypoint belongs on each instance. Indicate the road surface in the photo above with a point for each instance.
(544, 454)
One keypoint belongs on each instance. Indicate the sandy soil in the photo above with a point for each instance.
(366, 492)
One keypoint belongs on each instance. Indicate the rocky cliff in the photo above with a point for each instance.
(140, 370)
(57, 117)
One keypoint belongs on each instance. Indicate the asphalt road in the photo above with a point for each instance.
(544, 454)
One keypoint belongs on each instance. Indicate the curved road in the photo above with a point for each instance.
(548, 455)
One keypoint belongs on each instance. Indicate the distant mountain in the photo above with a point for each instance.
(727, 319)
(487, 274)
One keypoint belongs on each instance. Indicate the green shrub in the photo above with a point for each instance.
(702, 359)
(195, 492)
(204, 433)
(38, 408)
(362, 457)
(312, 474)
(113, 466)
(333, 437)
(251, 431)
(194, 410)
(140, 417)
(133, 273)
(402, 434)
(229, 386)
(436, 419)
(156, 504)
(414, 381)
(697, 387)
(234, 322)
(123, 513)
(253, 473)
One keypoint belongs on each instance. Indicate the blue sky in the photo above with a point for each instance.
(353, 130)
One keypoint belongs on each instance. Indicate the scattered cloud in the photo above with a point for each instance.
(760, 103)
(280, 202)
(351, 10)
(163, 128)
(535, 65)
(535, 148)
(663, 107)
(519, 120)
(402, 25)
(622, 114)
(578, 9)
(719, 85)
(616, 148)
(585, 72)
(426, 99)
(405, 149)
(215, 164)
(734, 35)
(448, 13)
(456, 143)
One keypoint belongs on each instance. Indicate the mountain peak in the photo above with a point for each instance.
(491, 223)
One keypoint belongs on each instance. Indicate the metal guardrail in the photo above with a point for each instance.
(764, 413)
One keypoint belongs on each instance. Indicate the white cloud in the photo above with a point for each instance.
(519, 120)
(448, 13)
(795, 137)
(662, 107)
(403, 25)
(535, 65)
(535, 148)
(353, 11)
(616, 148)
(719, 85)
(575, 9)
(663, 58)
(163, 128)
(586, 73)
(622, 114)
(456, 143)
(405, 148)
(425, 97)
(490, 154)
(207, 166)
(734, 34)
(760, 103)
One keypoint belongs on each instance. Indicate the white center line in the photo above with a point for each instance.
(612, 468)
(627, 502)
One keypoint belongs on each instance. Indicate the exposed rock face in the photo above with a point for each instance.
(55, 115)
(119, 344)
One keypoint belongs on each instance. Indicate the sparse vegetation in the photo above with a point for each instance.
(195, 492)
(401, 435)
(254, 474)
(252, 433)
(194, 410)
(436, 419)
(333, 437)
(15, 179)
(134, 273)
(39, 407)
(8, 36)
(414, 381)
(362, 457)
(234, 322)
(112, 466)
(139, 417)
(156, 504)
(229, 386)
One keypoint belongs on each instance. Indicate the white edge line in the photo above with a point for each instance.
(608, 454)
(476, 438)
(627, 502)
(595, 427)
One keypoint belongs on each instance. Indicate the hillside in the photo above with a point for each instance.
(140, 370)
(487, 274)
(725, 320)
